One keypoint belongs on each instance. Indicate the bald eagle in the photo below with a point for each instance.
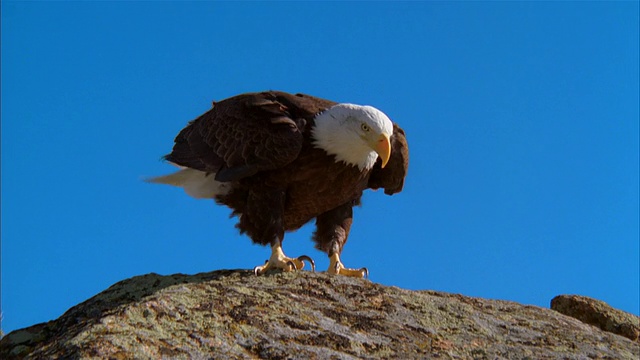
(280, 160)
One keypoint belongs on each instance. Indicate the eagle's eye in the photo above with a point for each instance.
(364, 127)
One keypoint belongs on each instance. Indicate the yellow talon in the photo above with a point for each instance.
(336, 267)
(279, 260)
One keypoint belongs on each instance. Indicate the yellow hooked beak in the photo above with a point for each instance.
(383, 148)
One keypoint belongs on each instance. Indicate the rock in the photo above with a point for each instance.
(598, 313)
(304, 315)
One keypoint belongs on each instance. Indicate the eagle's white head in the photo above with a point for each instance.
(354, 134)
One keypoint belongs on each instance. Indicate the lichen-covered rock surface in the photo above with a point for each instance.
(304, 315)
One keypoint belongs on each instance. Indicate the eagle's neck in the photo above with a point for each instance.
(330, 135)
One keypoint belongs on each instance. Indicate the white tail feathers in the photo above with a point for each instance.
(196, 183)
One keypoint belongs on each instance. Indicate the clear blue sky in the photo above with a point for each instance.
(522, 120)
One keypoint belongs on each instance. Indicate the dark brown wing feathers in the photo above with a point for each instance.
(391, 178)
(187, 147)
(245, 134)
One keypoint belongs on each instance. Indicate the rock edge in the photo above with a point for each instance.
(234, 314)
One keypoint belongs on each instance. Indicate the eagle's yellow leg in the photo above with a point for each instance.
(279, 260)
(336, 267)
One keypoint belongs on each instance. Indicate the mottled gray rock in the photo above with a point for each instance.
(598, 313)
(304, 315)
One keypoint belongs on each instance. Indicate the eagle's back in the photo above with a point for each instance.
(245, 134)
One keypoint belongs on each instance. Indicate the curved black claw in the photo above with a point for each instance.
(366, 272)
(293, 265)
(255, 269)
(310, 260)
